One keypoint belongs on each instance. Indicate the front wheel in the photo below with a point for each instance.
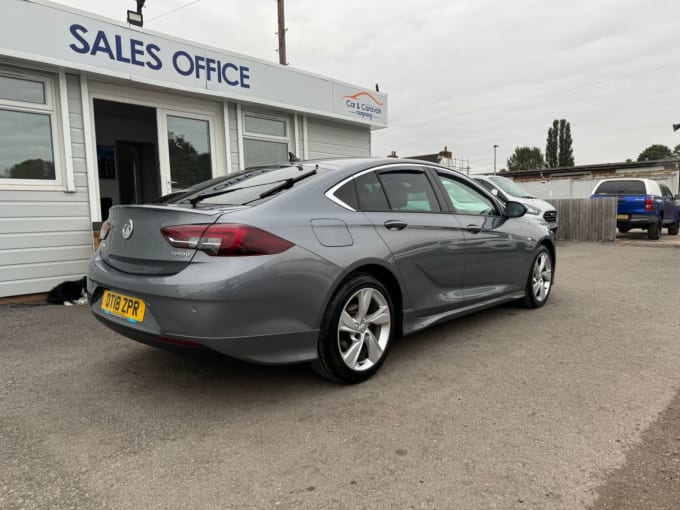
(356, 331)
(539, 281)
(674, 228)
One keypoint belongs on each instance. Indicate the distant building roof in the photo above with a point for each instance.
(599, 168)
(434, 158)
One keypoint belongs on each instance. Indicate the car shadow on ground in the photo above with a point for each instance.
(639, 238)
(207, 375)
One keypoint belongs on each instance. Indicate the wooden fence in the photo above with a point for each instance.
(586, 219)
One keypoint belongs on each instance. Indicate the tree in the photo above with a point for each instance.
(676, 151)
(188, 166)
(551, 145)
(558, 150)
(654, 152)
(526, 158)
(566, 153)
(32, 169)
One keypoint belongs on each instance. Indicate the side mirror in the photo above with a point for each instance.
(514, 210)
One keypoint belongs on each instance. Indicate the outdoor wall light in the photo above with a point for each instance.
(135, 17)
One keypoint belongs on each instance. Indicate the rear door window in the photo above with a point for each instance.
(409, 191)
(370, 193)
(621, 187)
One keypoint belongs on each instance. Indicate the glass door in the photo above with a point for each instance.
(187, 143)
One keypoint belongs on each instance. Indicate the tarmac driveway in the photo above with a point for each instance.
(508, 408)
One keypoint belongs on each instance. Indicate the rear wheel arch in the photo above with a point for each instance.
(384, 276)
(356, 330)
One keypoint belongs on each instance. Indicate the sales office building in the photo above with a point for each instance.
(94, 113)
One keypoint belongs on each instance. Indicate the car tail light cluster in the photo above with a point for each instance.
(104, 230)
(649, 204)
(225, 240)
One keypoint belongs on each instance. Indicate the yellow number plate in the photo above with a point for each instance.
(621, 216)
(120, 305)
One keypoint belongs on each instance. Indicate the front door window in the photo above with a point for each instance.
(190, 151)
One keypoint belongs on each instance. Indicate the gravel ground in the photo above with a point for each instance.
(508, 408)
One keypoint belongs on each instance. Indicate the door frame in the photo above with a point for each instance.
(164, 151)
(92, 89)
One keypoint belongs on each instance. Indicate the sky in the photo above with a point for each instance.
(468, 74)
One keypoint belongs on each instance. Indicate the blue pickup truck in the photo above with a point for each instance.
(642, 203)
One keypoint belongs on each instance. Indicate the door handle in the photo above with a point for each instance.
(473, 229)
(395, 225)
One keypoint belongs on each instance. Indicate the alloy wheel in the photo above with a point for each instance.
(541, 277)
(364, 329)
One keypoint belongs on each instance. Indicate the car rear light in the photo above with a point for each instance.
(104, 230)
(649, 204)
(225, 240)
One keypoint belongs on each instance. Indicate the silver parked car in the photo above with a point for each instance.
(325, 261)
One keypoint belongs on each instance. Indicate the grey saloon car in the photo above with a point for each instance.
(319, 261)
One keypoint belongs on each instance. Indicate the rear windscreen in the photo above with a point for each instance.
(622, 187)
(250, 186)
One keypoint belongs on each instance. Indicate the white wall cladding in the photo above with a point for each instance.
(330, 139)
(300, 139)
(46, 236)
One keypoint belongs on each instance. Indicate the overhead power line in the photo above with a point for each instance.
(172, 11)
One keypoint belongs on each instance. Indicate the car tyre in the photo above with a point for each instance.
(356, 331)
(674, 228)
(539, 280)
(654, 231)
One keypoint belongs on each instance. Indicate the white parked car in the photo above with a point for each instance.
(507, 190)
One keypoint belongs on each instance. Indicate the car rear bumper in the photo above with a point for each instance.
(264, 310)
(266, 349)
(636, 221)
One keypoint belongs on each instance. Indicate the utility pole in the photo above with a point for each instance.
(282, 35)
(494, 158)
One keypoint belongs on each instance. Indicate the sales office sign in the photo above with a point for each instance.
(138, 53)
(49, 32)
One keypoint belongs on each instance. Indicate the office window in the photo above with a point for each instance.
(265, 139)
(27, 129)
